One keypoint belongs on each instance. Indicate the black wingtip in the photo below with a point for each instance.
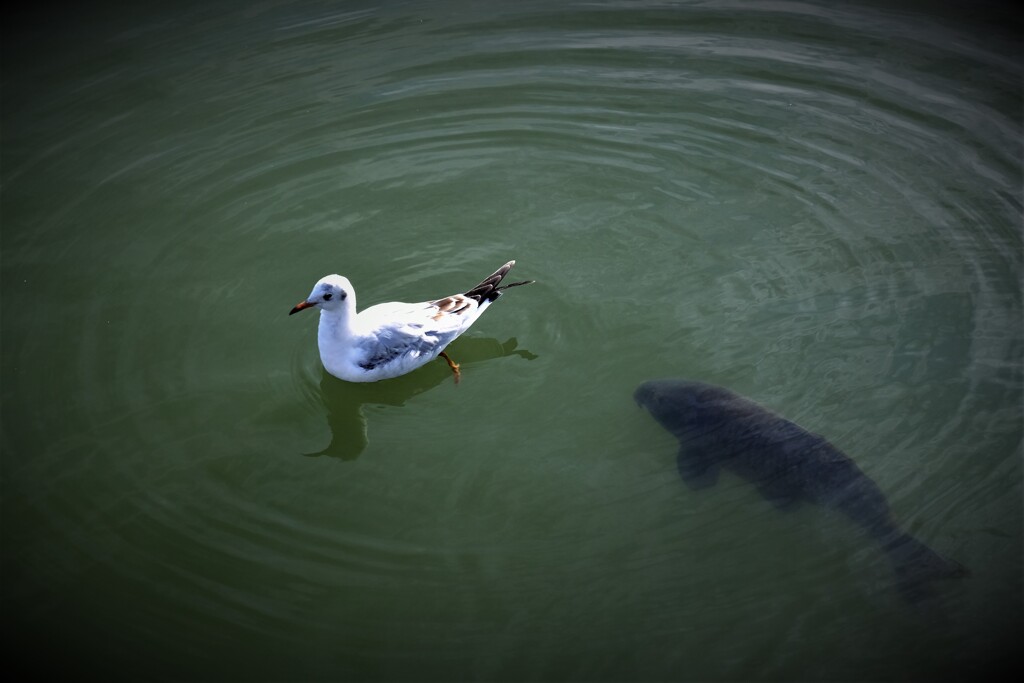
(517, 284)
(488, 290)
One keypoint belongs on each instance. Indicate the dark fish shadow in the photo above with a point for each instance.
(789, 466)
(344, 401)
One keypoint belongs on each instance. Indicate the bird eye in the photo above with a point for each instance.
(327, 297)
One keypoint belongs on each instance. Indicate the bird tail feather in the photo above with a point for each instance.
(488, 290)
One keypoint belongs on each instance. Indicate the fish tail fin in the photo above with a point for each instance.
(488, 290)
(917, 565)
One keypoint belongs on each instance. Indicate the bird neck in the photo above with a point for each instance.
(336, 325)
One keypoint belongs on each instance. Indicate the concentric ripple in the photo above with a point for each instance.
(817, 205)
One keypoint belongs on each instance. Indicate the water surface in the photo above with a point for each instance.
(816, 204)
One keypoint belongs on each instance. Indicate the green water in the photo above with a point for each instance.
(815, 204)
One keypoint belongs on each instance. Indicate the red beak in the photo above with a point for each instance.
(301, 305)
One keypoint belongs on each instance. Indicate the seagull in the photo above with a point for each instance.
(392, 339)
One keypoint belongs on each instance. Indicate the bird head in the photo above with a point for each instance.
(330, 293)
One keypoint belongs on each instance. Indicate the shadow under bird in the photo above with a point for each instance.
(392, 339)
(719, 429)
(343, 401)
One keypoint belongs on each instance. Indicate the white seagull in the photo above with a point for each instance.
(388, 340)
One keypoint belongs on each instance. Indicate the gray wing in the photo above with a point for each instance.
(409, 342)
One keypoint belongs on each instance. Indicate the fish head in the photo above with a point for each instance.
(675, 403)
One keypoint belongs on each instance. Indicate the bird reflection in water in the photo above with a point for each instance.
(344, 401)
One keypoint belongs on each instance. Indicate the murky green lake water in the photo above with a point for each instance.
(815, 204)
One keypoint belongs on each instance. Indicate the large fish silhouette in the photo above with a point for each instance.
(719, 429)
